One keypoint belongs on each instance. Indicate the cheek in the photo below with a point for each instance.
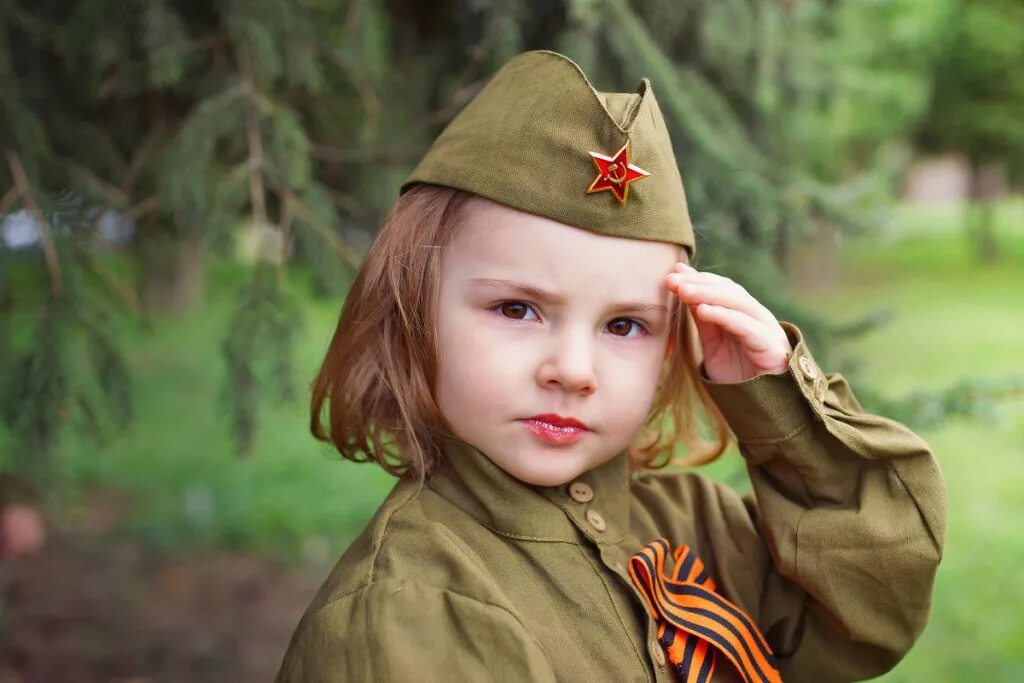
(631, 385)
(476, 370)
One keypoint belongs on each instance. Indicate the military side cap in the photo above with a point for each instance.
(539, 138)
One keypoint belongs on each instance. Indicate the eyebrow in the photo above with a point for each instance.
(557, 299)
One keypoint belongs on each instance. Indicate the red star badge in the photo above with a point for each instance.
(615, 173)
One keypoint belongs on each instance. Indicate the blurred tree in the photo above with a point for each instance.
(182, 119)
(976, 103)
(59, 362)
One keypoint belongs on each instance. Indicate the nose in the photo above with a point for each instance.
(569, 364)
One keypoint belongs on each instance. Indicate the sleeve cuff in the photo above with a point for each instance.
(773, 408)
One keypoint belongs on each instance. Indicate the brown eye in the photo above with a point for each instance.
(514, 309)
(622, 327)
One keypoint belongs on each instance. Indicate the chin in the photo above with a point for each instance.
(552, 468)
(547, 478)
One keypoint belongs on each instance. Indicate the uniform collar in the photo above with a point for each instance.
(471, 481)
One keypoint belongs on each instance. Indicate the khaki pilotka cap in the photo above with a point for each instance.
(541, 139)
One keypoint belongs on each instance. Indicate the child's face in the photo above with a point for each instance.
(506, 355)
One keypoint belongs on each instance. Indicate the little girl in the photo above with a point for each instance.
(524, 346)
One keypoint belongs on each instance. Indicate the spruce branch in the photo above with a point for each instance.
(119, 286)
(9, 199)
(141, 209)
(114, 195)
(21, 183)
(347, 202)
(257, 193)
(394, 154)
(367, 95)
(304, 211)
(970, 398)
(284, 227)
(142, 154)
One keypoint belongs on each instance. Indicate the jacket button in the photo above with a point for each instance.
(820, 387)
(807, 366)
(580, 492)
(596, 520)
(658, 652)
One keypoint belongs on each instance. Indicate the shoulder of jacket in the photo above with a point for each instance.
(404, 591)
(409, 539)
(340, 636)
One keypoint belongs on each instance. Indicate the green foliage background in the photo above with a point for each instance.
(254, 147)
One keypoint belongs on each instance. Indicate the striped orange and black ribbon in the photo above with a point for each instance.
(696, 624)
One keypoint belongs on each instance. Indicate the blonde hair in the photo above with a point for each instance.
(378, 374)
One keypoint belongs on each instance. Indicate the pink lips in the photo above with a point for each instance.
(556, 429)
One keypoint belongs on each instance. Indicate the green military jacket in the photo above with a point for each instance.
(475, 576)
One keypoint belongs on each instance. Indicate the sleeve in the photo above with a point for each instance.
(852, 509)
(405, 631)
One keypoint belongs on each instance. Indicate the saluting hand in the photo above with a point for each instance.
(740, 338)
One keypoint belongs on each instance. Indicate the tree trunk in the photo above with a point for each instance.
(988, 183)
(814, 262)
(782, 247)
(173, 275)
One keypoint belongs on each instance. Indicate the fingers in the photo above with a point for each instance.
(740, 338)
(694, 287)
(749, 332)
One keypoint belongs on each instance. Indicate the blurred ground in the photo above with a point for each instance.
(94, 609)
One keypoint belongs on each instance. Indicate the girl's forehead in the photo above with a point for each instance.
(499, 242)
(492, 229)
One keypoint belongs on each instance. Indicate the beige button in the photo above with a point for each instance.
(820, 387)
(807, 365)
(596, 520)
(658, 652)
(580, 492)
